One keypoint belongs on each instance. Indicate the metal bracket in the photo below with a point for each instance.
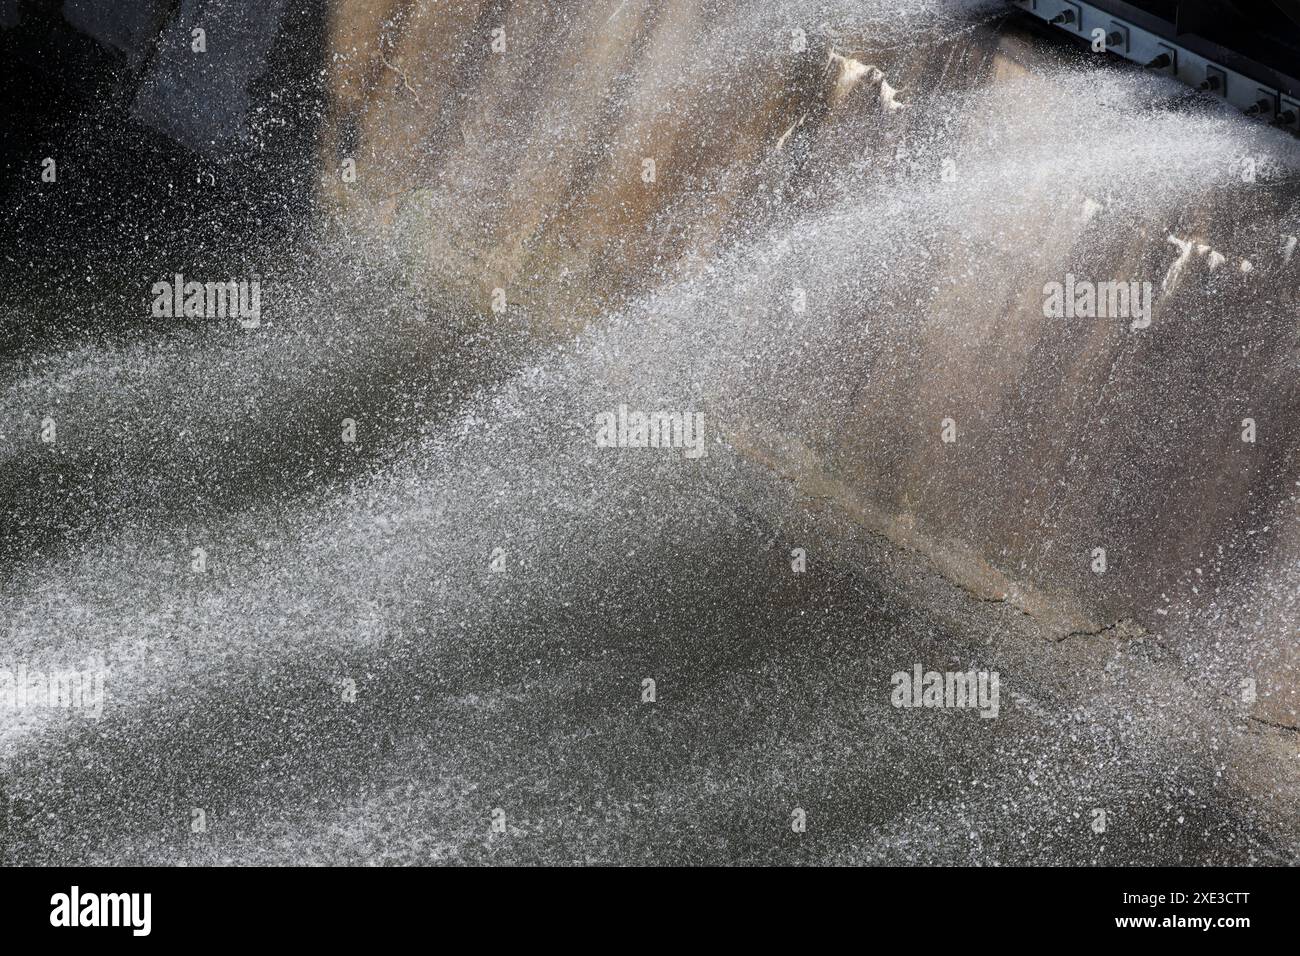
(1216, 81)
(1265, 104)
(1122, 30)
(1291, 106)
(1075, 15)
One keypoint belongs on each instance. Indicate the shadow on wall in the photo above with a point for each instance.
(120, 166)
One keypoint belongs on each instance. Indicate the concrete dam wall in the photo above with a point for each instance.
(993, 341)
(924, 290)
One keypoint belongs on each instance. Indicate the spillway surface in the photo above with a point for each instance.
(380, 580)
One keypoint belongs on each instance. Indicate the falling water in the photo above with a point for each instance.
(356, 650)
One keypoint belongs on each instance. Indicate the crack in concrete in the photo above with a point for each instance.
(1274, 724)
(1128, 626)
